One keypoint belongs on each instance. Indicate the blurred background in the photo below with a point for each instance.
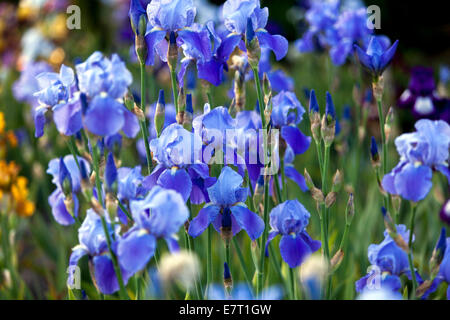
(35, 30)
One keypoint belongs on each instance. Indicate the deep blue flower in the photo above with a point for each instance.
(227, 210)
(246, 16)
(166, 17)
(389, 262)
(56, 199)
(287, 113)
(376, 58)
(421, 96)
(152, 222)
(420, 153)
(241, 291)
(92, 242)
(110, 172)
(136, 11)
(210, 51)
(289, 220)
(178, 153)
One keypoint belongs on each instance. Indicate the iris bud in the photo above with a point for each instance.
(172, 55)
(329, 122)
(374, 155)
(350, 210)
(308, 180)
(388, 123)
(239, 89)
(227, 279)
(160, 113)
(314, 117)
(267, 89)
(188, 114)
(337, 181)
(65, 179)
(252, 45)
(438, 253)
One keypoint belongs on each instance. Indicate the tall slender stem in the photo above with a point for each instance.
(143, 122)
(292, 280)
(208, 259)
(173, 78)
(410, 244)
(122, 292)
(242, 262)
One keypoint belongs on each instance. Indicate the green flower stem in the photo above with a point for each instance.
(143, 123)
(283, 181)
(292, 280)
(262, 108)
(242, 262)
(210, 99)
(384, 146)
(410, 244)
(208, 258)
(173, 78)
(95, 159)
(325, 218)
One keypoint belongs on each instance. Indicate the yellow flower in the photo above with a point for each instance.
(19, 192)
(2, 122)
(8, 174)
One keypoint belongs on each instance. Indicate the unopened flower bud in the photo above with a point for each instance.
(98, 209)
(188, 114)
(314, 117)
(267, 89)
(111, 174)
(65, 179)
(172, 55)
(308, 180)
(337, 181)
(259, 192)
(111, 205)
(330, 199)
(438, 253)
(139, 113)
(317, 195)
(388, 123)
(350, 210)
(160, 113)
(252, 44)
(377, 88)
(239, 89)
(329, 122)
(374, 155)
(337, 259)
(70, 205)
(227, 279)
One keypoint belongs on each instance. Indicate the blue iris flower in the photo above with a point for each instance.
(104, 82)
(129, 187)
(56, 199)
(290, 219)
(92, 242)
(227, 209)
(57, 93)
(389, 262)
(211, 52)
(152, 222)
(421, 152)
(165, 17)
(239, 15)
(287, 113)
(242, 291)
(178, 153)
(25, 87)
(375, 58)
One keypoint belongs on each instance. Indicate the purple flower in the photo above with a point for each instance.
(152, 222)
(290, 219)
(178, 153)
(421, 96)
(445, 212)
(202, 44)
(227, 211)
(165, 17)
(420, 153)
(287, 113)
(376, 58)
(92, 242)
(240, 15)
